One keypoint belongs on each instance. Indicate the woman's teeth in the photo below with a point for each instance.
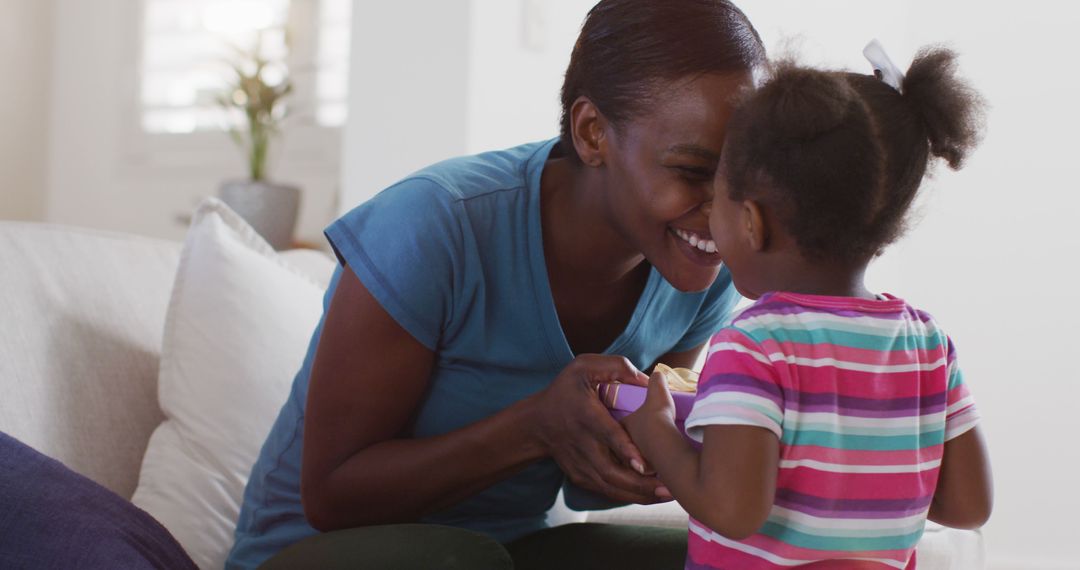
(706, 245)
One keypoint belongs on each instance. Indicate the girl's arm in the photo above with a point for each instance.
(369, 378)
(965, 489)
(729, 486)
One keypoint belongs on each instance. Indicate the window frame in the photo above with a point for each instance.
(304, 144)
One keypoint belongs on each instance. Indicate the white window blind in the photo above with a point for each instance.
(187, 44)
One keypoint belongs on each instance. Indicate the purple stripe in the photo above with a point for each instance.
(691, 565)
(742, 383)
(839, 514)
(851, 508)
(819, 401)
(785, 308)
(921, 315)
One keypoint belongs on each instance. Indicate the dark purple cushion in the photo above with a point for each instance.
(52, 517)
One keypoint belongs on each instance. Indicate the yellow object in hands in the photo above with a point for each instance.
(678, 379)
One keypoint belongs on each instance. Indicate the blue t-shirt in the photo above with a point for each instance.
(454, 254)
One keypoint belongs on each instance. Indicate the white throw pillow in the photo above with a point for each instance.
(236, 330)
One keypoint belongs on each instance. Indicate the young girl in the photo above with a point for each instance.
(834, 421)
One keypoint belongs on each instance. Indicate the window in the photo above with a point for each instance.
(186, 45)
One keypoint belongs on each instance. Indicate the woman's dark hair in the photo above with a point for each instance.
(840, 156)
(627, 49)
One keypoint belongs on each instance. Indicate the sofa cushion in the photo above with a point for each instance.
(53, 517)
(236, 332)
(82, 313)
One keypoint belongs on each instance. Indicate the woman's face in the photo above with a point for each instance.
(660, 174)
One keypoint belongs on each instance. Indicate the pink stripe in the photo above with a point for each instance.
(714, 554)
(857, 355)
(956, 394)
(844, 457)
(858, 485)
(861, 384)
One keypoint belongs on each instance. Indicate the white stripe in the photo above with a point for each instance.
(841, 468)
(857, 366)
(873, 325)
(959, 405)
(912, 521)
(738, 398)
(711, 536)
(736, 347)
(793, 417)
(960, 424)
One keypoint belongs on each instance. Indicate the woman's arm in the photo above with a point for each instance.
(368, 380)
(965, 491)
(729, 485)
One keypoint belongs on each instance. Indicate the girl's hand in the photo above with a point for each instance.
(659, 406)
(578, 432)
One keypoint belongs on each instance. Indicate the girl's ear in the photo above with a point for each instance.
(757, 233)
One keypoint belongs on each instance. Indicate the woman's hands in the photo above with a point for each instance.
(576, 430)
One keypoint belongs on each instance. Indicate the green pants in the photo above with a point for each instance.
(580, 546)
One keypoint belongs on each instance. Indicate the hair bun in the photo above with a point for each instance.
(952, 112)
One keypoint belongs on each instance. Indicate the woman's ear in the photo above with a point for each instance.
(757, 233)
(587, 126)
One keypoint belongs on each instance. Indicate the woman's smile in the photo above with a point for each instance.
(697, 245)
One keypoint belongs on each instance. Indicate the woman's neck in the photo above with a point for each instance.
(579, 236)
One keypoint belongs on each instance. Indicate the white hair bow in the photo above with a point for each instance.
(884, 68)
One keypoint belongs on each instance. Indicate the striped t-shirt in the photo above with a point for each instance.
(862, 394)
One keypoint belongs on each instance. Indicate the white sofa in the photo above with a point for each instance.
(82, 315)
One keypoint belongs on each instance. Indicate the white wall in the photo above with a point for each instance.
(408, 82)
(994, 246)
(466, 78)
(518, 54)
(991, 256)
(996, 250)
(104, 173)
(25, 48)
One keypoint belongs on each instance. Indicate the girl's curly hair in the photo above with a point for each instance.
(840, 156)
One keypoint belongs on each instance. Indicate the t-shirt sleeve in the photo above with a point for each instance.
(715, 311)
(405, 246)
(737, 386)
(960, 412)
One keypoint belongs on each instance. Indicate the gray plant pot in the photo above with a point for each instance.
(270, 208)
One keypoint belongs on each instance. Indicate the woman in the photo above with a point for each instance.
(451, 382)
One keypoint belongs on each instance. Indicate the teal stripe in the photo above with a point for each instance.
(846, 339)
(919, 430)
(805, 540)
(847, 532)
(863, 442)
(852, 326)
(956, 378)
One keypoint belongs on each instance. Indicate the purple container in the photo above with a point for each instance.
(622, 399)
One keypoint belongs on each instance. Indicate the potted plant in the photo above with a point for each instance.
(257, 106)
